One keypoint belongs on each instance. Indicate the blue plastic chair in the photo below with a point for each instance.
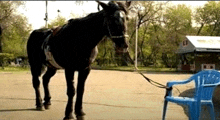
(205, 83)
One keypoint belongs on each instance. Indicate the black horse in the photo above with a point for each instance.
(73, 47)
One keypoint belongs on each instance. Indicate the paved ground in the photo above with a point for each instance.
(109, 95)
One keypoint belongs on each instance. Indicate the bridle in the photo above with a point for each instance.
(109, 31)
(113, 37)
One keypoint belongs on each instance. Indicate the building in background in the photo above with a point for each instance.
(198, 53)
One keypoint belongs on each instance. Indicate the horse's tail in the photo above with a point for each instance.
(35, 52)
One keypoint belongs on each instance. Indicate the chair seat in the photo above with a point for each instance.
(185, 100)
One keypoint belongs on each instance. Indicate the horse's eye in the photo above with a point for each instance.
(127, 18)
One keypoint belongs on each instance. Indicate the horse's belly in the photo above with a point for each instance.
(71, 62)
(77, 58)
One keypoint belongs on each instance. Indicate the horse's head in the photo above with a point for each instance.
(115, 23)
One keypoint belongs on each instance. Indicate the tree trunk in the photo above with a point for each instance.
(1, 60)
(142, 45)
(202, 24)
(0, 39)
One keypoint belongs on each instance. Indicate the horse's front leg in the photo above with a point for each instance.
(70, 93)
(83, 74)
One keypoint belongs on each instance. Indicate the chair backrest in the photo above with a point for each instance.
(205, 83)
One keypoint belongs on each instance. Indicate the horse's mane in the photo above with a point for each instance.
(89, 16)
(122, 7)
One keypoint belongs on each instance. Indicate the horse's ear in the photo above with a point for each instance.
(104, 6)
(128, 3)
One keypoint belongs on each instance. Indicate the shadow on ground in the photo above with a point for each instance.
(204, 115)
(14, 110)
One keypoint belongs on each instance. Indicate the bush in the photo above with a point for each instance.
(5, 59)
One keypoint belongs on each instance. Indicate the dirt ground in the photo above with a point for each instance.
(108, 95)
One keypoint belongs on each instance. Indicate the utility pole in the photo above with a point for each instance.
(46, 17)
(136, 41)
(139, 9)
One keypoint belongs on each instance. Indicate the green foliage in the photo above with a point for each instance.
(5, 58)
(15, 69)
(15, 29)
(58, 21)
(208, 16)
(161, 29)
(106, 55)
(15, 37)
(178, 24)
(178, 19)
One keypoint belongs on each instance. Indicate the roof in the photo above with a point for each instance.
(200, 44)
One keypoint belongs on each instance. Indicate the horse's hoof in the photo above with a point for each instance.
(46, 106)
(40, 108)
(68, 118)
(79, 113)
(79, 117)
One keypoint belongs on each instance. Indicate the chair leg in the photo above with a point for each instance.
(194, 111)
(164, 109)
(211, 111)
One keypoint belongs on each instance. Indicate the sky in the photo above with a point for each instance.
(35, 10)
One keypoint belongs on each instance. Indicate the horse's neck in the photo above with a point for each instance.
(98, 30)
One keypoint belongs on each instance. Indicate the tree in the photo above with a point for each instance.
(208, 16)
(15, 36)
(15, 27)
(177, 24)
(58, 21)
(145, 14)
(106, 53)
(15, 31)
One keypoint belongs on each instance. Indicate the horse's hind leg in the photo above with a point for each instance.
(46, 79)
(36, 72)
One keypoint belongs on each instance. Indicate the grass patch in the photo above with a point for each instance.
(14, 69)
(132, 68)
(116, 68)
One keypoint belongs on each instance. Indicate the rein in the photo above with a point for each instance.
(157, 84)
(154, 83)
